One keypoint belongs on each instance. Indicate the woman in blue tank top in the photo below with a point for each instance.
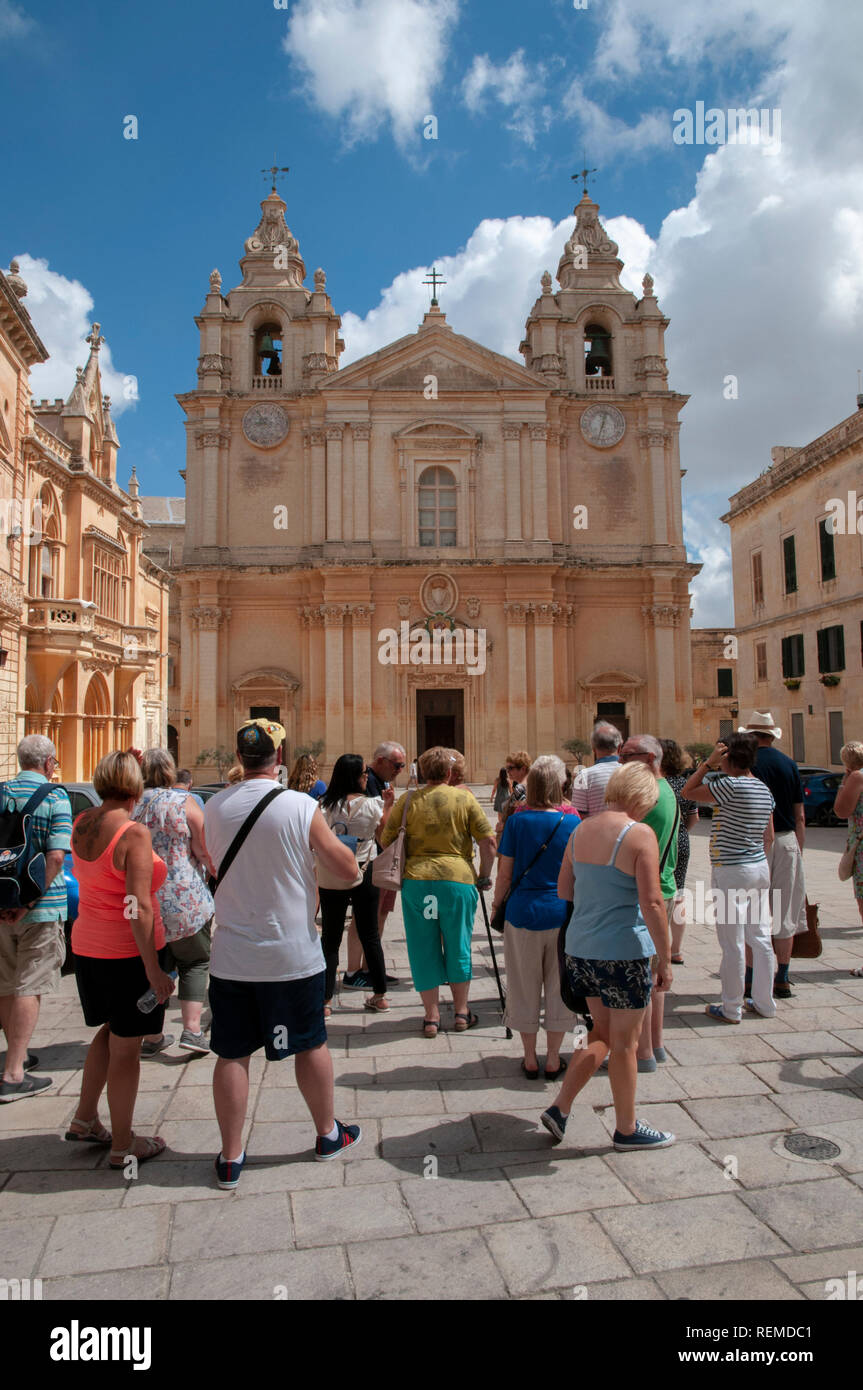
(610, 872)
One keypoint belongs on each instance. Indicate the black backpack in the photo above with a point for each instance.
(22, 865)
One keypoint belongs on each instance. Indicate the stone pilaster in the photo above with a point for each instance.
(334, 666)
(362, 637)
(539, 473)
(317, 448)
(335, 435)
(516, 670)
(362, 481)
(544, 615)
(512, 480)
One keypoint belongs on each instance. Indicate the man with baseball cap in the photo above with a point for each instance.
(267, 967)
(779, 773)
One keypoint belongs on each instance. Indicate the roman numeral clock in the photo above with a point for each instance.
(603, 425)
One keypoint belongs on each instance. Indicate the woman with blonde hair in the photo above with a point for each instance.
(438, 894)
(849, 805)
(610, 873)
(531, 852)
(304, 777)
(118, 941)
(176, 825)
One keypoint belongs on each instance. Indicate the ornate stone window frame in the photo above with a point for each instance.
(446, 444)
(267, 685)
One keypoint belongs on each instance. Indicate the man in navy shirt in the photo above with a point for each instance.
(384, 768)
(779, 772)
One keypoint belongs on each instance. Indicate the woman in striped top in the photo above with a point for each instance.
(740, 875)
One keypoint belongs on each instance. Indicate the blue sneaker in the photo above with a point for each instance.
(359, 980)
(326, 1149)
(554, 1122)
(228, 1172)
(642, 1137)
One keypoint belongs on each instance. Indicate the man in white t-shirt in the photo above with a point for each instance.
(267, 966)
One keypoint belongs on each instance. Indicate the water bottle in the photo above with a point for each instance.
(148, 1001)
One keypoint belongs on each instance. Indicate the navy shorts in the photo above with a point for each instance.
(109, 991)
(281, 1016)
(618, 984)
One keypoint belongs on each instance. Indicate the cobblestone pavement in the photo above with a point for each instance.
(456, 1191)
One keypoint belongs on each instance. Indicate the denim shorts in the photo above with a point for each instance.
(618, 984)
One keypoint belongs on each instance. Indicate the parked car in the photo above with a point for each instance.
(806, 770)
(819, 794)
(210, 790)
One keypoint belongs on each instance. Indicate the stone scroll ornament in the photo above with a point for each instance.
(265, 425)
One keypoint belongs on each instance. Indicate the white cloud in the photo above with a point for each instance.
(708, 544)
(61, 311)
(516, 84)
(368, 62)
(15, 23)
(604, 134)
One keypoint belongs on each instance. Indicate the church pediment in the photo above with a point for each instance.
(457, 363)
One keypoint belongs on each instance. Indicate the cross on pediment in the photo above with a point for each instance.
(434, 280)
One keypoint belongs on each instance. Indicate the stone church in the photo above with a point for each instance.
(435, 543)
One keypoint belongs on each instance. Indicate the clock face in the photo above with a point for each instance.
(265, 425)
(603, 425)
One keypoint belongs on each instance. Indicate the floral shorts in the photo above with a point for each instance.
(618, 984)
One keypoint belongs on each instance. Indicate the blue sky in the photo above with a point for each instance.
(755, 283)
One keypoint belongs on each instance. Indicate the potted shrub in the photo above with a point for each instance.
(793, 683)
(829, 680)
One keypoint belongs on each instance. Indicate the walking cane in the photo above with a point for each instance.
(500, 989)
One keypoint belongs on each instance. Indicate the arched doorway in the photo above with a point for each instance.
(97, 709)
(174, 744)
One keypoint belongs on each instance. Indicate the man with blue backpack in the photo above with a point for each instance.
(35, 833)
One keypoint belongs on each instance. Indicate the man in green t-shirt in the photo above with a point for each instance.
(663, 821)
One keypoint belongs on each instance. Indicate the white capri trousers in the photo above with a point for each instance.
(532, 969)
(743, 919)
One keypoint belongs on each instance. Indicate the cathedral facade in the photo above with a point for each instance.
(434, 544)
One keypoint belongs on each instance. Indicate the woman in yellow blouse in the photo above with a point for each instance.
(439, 888)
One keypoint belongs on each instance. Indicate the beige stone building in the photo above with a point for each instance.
(714, 683)
(798, 592)
(20, 349)
(337, 519)
(84, 611)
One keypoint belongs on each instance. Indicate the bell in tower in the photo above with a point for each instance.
(597, 343)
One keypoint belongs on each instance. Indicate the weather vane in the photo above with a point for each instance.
(274, 172)
(434, 280)
(585, 172)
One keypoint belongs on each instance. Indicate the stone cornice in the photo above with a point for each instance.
(804, 460)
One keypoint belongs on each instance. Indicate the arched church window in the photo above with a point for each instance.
(597, 351)
(268, 350)
(437, 507)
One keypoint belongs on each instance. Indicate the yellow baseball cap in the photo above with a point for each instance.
(259, 737)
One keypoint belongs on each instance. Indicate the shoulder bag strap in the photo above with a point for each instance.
(243, 831)
(667, 849)
(540, 851)
(39, 796)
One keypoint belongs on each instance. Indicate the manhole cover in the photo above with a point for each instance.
(811, 1146)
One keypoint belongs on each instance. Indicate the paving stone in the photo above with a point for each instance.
(293, 1138)
(454, 1265)
(727, 1117)
(702, 1052)
(452, 1203)
(499, 1133)
(749, 1280)
(849, 1133)
(758, 1163)
(42, 1112)
(393, 1049)
(827, 1264)
(567, 1182)
(53, 1193)
(190, 1139)
(287, 1275)
(194, 1103)
(692, 1231)
(798, 1074)
(21, 1244)
(623, 1290)
(849, 1066)
(817, 1044)
(23, 1152)
(336, 1216)
(85, 1242)
(368, 1170)
(170, 1183)
(721, 1080)
(400, 1100)
(681, 1171)
(820, 1107)
(810, 1215)
(408, 1135)
(241, 1225)
(132, 1285)
(277, 1104)
(555, 1253)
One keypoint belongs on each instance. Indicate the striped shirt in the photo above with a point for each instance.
(743, 807)
(588, 788)
(52, 825)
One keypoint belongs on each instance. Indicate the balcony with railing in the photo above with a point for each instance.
(267, 383)
(599, 383)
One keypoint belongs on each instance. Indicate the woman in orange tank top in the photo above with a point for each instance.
(116, 942)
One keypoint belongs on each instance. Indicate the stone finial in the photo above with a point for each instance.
(94, 338)
(18, 284)
(647, 286)
(546, 282)
(106, 404)
(132, 488)
(320, 281)
(79, 374)
(215, 282)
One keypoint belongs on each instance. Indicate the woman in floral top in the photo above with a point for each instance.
(672, 771)
(176, 825)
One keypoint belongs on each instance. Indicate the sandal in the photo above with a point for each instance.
(532, 1073)
(428, 1023)
(88, 1132)
(154, 1147)
(858, 973)
(378, 1004)
(465, 1021)
(677, 960)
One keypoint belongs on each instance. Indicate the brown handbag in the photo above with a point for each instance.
(808, 945)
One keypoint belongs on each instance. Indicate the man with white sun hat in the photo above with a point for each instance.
(779, 772)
